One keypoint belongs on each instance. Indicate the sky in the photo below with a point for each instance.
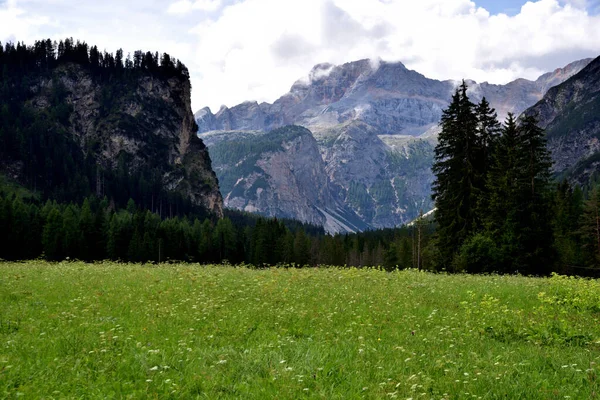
(246, 50)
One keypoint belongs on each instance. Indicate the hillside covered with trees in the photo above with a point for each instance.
(75, 121)
(68, 194)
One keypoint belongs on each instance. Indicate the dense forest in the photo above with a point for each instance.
(497, 207)
(35, 143)
(95, 231)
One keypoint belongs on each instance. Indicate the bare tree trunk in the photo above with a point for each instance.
(597, 227)
(419, 226)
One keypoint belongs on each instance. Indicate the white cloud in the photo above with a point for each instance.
(15, 25)
(256, 49)
(185, 6)
(240, 50)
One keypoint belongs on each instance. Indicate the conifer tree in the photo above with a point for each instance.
(455, 188)
(52, 235)
(488, 132)
(567, 211)
(518, 214)
(502, 183)
(535, 197)
(224, 239)
(590, 228)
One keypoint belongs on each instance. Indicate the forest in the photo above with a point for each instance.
(36, 145)
(498, 207)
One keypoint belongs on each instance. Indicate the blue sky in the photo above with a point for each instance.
(510, 7)
(513, 7)
(240, 50)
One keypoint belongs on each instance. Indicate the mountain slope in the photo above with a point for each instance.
(375, 126)
(279, 174)
(570, 113)
(72, 124)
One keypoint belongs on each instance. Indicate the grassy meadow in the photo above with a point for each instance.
(109, 330)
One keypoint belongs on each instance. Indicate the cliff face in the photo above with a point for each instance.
(280, 174)
(387, 96)
(375, 126)
(570, 113)
(142, 124)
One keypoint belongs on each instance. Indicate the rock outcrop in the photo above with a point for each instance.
(144, 121)
(375, 125)
(570, 113)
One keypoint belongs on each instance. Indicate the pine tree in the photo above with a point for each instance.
(87, 231)
(455, 188)
(502, 218)
(205, 249)
(590, 228)
(301, 248)
(52, 235)
(535, 197)
(71, 232)
(567, 211)
(518, 184)
(224, 239)
(488, 132)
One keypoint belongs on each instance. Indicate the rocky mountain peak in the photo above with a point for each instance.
(570, 114)
(369, 119)
(559, 75)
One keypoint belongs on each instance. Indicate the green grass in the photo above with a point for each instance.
(110, 330)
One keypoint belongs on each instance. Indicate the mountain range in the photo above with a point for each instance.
(362, 159)
(570, 114)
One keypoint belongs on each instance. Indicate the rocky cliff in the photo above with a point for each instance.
(125, 130)
(375, 125)
(387, 96)
(570, 113)
(279, 174)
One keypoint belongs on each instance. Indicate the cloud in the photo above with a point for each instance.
(256, 49)
(15, 25)
(185, 6)
(240, 50)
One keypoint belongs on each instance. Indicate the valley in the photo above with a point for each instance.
(374, 126)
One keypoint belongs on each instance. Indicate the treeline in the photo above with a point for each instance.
(44, 55)
(94, 230)
(497, 207)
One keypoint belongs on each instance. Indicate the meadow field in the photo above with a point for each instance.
(108, 330)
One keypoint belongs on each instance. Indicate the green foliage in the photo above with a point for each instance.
(478, 254)
(492, 183)
(456, 189)
(191, 331)
(40, 142)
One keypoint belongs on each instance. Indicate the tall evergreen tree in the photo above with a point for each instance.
(502, 218)
(535, 197)
(519, 198)
(590, 229)
(488, 132)
(52, 235)
(567, 211)
(455, 188)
